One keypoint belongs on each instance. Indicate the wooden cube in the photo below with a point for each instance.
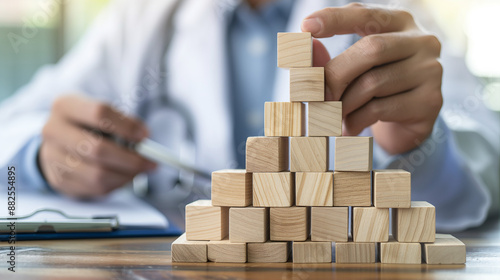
(391, 188)
(446, 249)
(400, 253)
(312, 252)
(273, 189)
(268, 252)
(325, 118)
(351, 252)
(284, 119)
(294, 50)
(314, 188)
(353, 153)
(415, 224)
(330, 224)
(370, 224)
(226, 252)
(352, 188)
(206, 222)
(289, 224)
(189, 251)
(231, 187)
(248, 224)
(307, 84)
(309, 154)
(267, 154)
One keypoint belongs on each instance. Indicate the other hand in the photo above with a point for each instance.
(77, 160)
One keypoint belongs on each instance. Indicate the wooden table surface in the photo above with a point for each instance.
(149, 258)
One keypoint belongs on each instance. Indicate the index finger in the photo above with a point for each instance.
(356, 18)
(96, 115)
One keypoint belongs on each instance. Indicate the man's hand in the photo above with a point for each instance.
(389, 79)
(77, 159)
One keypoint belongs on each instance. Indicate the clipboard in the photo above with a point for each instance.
(65, 224)
(44, 216)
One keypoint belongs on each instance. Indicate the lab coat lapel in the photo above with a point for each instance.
(197, 79)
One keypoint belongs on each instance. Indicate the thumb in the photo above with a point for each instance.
(320, 54)
(320, 58)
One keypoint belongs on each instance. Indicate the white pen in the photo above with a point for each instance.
(160, 154)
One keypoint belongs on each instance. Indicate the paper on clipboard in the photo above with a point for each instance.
(130, 210)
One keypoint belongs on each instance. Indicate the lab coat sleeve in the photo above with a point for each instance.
(27, 171)
(441, 176)
(456, 169)
(87, 69)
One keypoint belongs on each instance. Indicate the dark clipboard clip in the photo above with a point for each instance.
(70, 224)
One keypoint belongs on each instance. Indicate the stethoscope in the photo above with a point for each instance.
(188, 173)
(190, 178)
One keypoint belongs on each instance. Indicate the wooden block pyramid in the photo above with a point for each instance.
(289, 205)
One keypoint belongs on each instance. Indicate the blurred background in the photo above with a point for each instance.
(53, 26)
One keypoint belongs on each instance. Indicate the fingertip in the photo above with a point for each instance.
(312, 24)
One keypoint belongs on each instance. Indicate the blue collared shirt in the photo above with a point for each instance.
(252, 63)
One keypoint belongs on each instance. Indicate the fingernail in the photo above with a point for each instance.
(312, 25)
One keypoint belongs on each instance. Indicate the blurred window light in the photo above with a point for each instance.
(481, 28)
(471, 27)
(38, 32)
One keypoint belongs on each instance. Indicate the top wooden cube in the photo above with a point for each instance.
(294, 50)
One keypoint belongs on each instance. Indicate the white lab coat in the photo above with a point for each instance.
(120, 61)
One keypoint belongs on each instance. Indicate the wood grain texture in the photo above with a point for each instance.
(189, 251)
(227, 252)
(370, 224)
(312, 252)
(307, 84)
(314, 188)
(231, 187)
(391, 188)
(248, 224)
(289, 224)
(400, 253)
(330, 224)
(351, 252)
(206, 222)
(446, 249)
(284, 119)
(273, 189)
(353, 153)
(415, 224)
(267, 154)
(352, 188)
(268, 252)
(294, 50)
(325, 118)
(309, 154)
(150, 258)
